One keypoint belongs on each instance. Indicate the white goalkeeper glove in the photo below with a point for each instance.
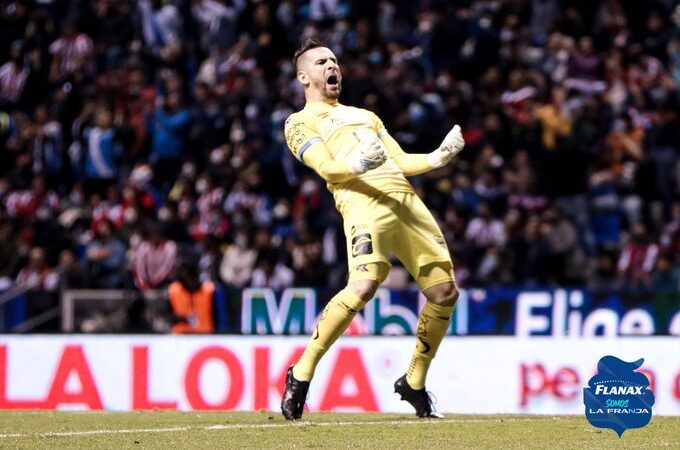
(452, 144)
(371, 154)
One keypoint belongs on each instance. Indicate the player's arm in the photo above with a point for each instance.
(309, 148)
(416, 163)
(410, 163)
(320, 160)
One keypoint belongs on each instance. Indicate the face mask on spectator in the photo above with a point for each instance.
(188, 170)
(42, 213)
(241, 240)
(308, 187)
(201, 186)
(135, 240)
(130, 215)
(164, 214)
(217, 156)
(280, 211)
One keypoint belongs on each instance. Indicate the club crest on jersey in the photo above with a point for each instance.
(362, 244)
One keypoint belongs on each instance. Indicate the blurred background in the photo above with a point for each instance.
(142, 162)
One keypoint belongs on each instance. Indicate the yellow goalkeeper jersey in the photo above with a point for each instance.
(339, 129)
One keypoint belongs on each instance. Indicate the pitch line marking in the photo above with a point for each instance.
(264, 425)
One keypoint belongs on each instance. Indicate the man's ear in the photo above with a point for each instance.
(303, 78)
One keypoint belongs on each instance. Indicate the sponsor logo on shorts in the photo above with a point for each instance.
(362, 244)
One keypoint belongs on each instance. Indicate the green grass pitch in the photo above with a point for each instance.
(211, 430)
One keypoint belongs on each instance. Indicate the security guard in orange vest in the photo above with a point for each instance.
(192, 302)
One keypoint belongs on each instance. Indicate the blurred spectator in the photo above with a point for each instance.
(236, 268)
(40, 281)
(638, 258)
(105, 257)
(72, 54)
(169, 127)
(48, 157)
(670, 239)
(271, 273)
(71, 273)
(192, 302)
(485, 230)
(102, 153)
(308, 264)
(154, 260)
(161, 28)
(37, 275)
(37, 201)
(9, 255)
(553, 120)
(218, 21)
(604, 275)
(13, 75)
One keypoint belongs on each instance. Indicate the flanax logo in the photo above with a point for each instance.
(617, 396)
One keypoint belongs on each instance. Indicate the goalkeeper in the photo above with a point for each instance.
(365, 170)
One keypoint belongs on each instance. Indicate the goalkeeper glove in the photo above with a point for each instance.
(452, 144)
(370, 155)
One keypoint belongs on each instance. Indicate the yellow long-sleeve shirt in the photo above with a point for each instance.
(323, 135)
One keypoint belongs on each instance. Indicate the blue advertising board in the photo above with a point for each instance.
(492, 311)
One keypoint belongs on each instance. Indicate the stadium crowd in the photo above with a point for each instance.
(136, 135)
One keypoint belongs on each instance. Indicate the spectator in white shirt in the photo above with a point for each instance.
(485, 230)
(161, 28)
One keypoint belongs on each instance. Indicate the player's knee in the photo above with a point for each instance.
(445, 294)
(364, 289)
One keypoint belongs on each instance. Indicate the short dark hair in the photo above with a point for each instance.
(307, 44)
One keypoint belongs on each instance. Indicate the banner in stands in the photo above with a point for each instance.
(494, 311)
(470, 375)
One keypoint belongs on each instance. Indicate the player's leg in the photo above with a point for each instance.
(338, 314)
(333, 321)
(434, 319)
(436, 281)
(368, 228)
(422, 249)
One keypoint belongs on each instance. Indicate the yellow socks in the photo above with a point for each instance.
(333, 321)
(432, 325)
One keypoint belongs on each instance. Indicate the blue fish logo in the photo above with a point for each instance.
(617, 396)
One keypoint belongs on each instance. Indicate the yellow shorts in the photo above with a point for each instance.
(399, 223)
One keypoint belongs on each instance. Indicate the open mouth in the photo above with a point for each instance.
(332, 80)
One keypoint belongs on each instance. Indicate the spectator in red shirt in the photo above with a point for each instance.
(638, 257)
(37, 275)
(155, 260)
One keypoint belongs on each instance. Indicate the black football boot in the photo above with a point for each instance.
(419, 399)
(293, 401)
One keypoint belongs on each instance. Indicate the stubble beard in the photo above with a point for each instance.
(333, 94)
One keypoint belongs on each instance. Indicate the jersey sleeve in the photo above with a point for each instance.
(409, 163)
(300, 135)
